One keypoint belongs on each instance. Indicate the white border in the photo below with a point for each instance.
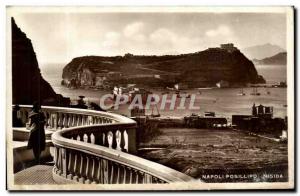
(290, 89)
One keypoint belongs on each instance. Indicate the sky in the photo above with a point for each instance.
(58, 37)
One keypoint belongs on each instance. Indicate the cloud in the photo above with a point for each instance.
(112, 39)
(221, 30)
(133, 29)
(164, 41)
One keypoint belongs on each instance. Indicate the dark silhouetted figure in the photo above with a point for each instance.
(254, 111)
(37, 132)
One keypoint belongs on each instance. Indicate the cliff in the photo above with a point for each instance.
(200, 69)
(28, 85)
(278, 59)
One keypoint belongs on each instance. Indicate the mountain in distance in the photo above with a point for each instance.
(278, 59)
(262, 51)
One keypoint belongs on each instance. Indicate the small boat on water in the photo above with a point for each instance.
(155, 115)
(241, 93)
(205, 88)
(255, 92)
(183, 95)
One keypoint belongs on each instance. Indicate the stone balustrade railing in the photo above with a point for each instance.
(59, 117)
(94, 147)
(98, 155)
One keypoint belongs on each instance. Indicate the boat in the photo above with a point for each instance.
(183, 95)
(205, 88)
(155, 115)
(241, 93)
(255, 92)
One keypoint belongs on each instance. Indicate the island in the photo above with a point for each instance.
(224, 64)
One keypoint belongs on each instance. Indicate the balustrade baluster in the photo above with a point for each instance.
(81, 179)
(75, 177)
(92, 138)
(103, 139)
(110, 139)
(99, 170)
(118, 174)
(58, 120)
(69, 161)
(82, 122)
(136, 176)
(97, 120)
(124, 175)
(125, 136)
(64, 162)
(70, 120)
(79, 120)
(93, 171)
(105, 171)
(87, 181)
(70, 169)
(111, 173)
(59, 162)
(118, 140)
(85, 138)
(147, 179)
(55, 158)
(73, 122)
(130, 176)
(65, 122)
(54, 121)
(46, 120)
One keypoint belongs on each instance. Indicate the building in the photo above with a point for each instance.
(261, 121)
(204, 122)
(229, 47)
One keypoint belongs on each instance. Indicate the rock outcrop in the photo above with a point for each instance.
(200, 69)
(28, 85)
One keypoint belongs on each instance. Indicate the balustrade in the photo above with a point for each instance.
(58, 118)
(92, 147)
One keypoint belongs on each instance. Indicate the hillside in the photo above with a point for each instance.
(28, 85)
(278, 59)
(262, 51)
(199, 69)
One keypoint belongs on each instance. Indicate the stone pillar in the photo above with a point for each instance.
(132, 140)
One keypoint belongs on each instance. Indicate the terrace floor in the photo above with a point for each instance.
(38, 174)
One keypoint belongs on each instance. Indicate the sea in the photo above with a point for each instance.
(223, 101)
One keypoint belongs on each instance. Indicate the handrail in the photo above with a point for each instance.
(109, 115)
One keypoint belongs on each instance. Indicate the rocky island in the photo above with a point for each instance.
(200, 69)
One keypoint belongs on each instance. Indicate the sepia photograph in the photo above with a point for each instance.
(149, 98)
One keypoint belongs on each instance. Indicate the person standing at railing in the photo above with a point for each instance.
(37, 139)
